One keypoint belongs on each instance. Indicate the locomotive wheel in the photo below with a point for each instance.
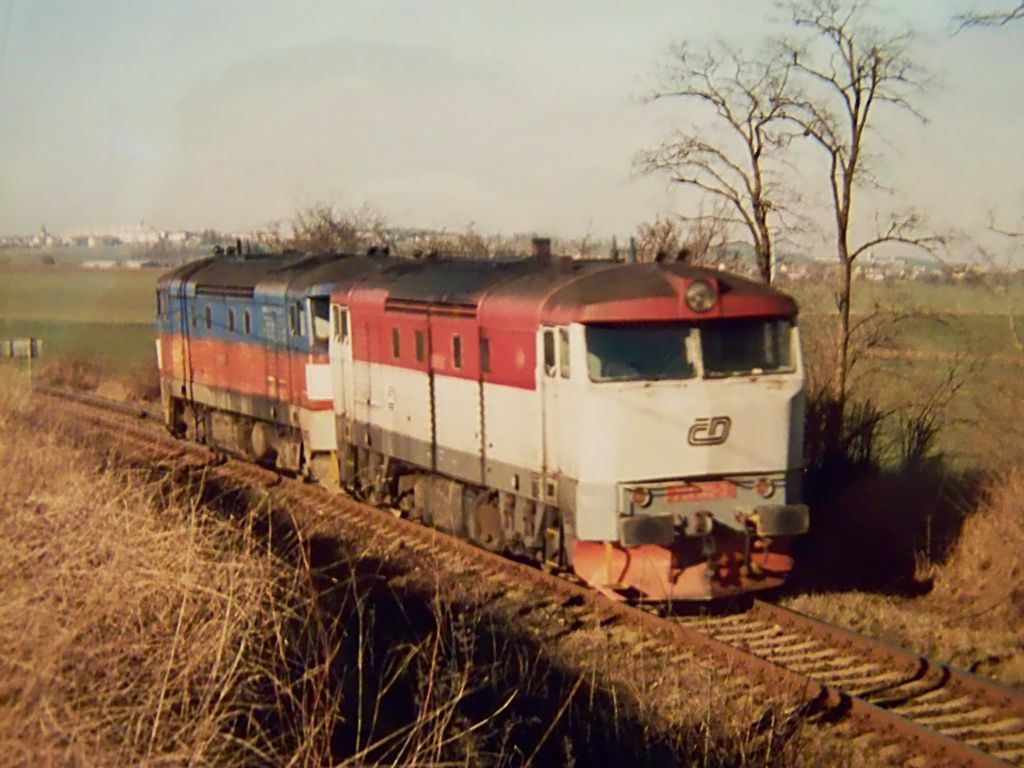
(176, 418)
(559, 539)
(262, 441)
(485, 525)
(196, 427)
(568, 538)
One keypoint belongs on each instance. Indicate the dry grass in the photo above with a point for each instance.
(986, 571)
(72, 373)
(135, 627)
(150, 619)
(154, 618)
(133, 383)
(983, 582)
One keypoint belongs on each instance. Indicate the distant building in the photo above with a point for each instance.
(44, 238)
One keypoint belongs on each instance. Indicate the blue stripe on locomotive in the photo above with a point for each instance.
(182, 299)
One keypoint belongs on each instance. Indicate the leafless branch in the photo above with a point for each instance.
(996, 19)
(747, 99)
(999, 230)
(901, 230)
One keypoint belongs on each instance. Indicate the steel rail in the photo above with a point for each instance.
(743, 643)
(97, 401)
(964, 707)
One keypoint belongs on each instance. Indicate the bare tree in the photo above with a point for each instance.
(468, 244)
(746, 98)
(991, 19)
(847, 69)
(698, 240)
(704, 243)
(584, 247)
(321, 228)
(658, 239)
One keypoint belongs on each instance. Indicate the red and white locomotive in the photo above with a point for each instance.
(641, 424)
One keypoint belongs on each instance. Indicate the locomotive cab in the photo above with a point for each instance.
(683, 439)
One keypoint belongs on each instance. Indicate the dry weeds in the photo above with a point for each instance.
(986, 572)
(135, 628)
(974, 615)
(135, 383)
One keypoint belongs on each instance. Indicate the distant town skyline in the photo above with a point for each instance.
(515, 117)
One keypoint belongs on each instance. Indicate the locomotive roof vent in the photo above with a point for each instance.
(541, 250)
(233, 251)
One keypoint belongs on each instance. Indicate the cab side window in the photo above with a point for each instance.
(550, 361)
(563, 352)
(457, 351)
(296, 319)
(320, 309)
(339, 322)
(421, 347)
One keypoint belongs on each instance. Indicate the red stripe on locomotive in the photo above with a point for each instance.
(246, 368)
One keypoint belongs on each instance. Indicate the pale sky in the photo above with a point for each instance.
(517, 116)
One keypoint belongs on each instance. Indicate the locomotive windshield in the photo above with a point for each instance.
(638, 352)
(746, 346)
(661, 351)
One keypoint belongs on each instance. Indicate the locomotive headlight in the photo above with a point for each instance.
(764, 487)
(704, 523)
(700, 296)
(641, 497)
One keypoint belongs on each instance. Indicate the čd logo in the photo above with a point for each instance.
(709, 430)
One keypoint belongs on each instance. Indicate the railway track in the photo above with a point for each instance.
(914, 709)
(975, 720)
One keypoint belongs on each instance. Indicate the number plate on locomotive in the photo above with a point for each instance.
(714, 489)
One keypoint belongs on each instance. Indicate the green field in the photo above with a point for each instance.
(962, 333)
(103, 315)
(79, 295)
(957, 299)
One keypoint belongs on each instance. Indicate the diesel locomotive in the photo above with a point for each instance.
(639, 424)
